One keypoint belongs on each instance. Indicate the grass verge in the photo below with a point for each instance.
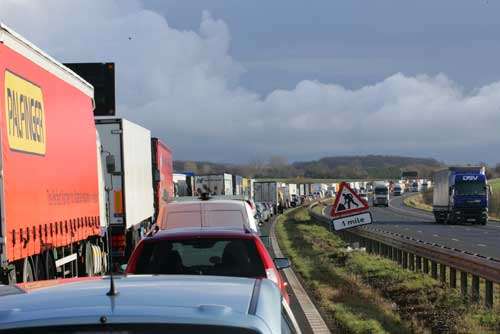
(417, 201)
(363, 293)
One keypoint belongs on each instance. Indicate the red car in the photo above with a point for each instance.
(217, 252)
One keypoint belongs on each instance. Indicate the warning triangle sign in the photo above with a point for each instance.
(348, 202)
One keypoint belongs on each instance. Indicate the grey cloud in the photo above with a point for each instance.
(186, 87)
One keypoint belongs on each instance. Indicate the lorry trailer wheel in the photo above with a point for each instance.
(27, 270)
(89, 259)
(49, 265)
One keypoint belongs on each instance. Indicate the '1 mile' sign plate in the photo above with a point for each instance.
(351, 221)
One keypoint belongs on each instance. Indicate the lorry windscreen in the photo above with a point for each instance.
(470, 188)
(381, 191)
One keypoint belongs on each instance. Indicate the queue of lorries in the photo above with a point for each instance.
(460, 194)
(85, 196)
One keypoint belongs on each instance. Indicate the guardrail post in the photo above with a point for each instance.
(418, 260)
(412, 261)
(434, 269)
(442, 272)
(463, 283)
(405, 260)
(475, 288)
(426, 265)
(488, 296)
(453, 277)
(394, 254)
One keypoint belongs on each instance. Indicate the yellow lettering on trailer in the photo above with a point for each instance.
(24, 115)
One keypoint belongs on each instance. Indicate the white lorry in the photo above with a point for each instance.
(216, 185)
(380, 193)
(126, 149)
(397, 189)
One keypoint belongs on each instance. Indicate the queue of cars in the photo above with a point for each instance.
(204, 268)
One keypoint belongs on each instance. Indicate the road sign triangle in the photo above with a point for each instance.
(348, 202)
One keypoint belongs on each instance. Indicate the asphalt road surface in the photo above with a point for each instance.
(418, 224)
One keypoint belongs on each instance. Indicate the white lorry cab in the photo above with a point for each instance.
(397, 189)
(380, 194)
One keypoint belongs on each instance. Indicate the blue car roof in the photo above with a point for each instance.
(170, 299)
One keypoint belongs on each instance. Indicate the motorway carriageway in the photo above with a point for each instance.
(420, 225)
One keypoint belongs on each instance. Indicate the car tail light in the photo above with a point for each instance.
(272, 275)
(118, 244)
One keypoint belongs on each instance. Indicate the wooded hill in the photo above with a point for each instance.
(370, 167)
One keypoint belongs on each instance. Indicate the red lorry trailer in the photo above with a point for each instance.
(163, 183)
(51, 219)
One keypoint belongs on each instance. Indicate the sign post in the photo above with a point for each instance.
(349, 209)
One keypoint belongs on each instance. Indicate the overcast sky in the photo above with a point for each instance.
(233, 81)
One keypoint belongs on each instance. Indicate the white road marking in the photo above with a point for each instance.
(481, 245)
(419, 231)
(454, 239)
(435, 235)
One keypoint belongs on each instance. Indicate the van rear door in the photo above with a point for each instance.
(223, 215)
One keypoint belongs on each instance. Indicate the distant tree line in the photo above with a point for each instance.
(369, 167)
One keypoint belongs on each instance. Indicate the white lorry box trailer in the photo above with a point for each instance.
(218, 185)
(302, 189)
(292, 189)
(131, 199)
(266, 192)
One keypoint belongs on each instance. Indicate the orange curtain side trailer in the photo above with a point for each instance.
(49, 185)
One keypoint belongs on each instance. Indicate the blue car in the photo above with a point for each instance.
(149, 304)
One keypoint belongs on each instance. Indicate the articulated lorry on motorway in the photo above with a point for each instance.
(380, 193)
(52, 209)
(460, 195)
(126, 148)
(58, 173)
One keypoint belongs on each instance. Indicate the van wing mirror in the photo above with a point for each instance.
(282, 263)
